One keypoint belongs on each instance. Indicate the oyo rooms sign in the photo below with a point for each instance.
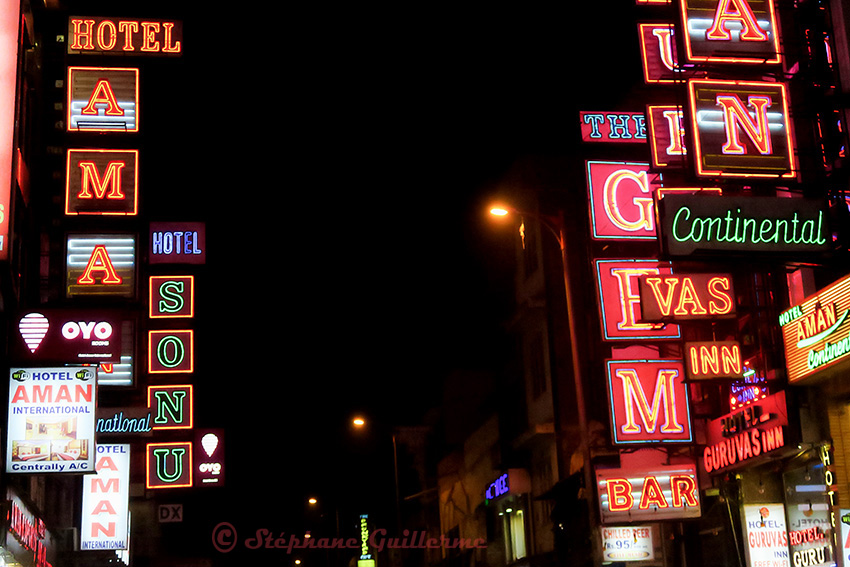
(80, 336)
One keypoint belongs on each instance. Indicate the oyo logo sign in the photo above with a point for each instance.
(101, 330)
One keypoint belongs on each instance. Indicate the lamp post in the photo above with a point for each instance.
(556, 225)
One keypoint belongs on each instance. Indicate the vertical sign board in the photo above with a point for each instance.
(171, 406)
(766, 534)
(658, 53)
(209, 457)
(100, 265)
(627, 543)
(169, 465)
(177, 243)
(844, 542)
(668, 492)
(31, 543)
(619, 300)
(730, 31)
(171, 351)
(649, 402)
(171, 297)
(51, 426)
(10, 18)
(618, 127)
(621, 200)
(741, 129)
(101, 182)
(816, 334)
(103, 99)
(91, 35)
(667, 135)
(106, 500)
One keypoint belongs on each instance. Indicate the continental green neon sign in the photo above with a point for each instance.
(704, 224)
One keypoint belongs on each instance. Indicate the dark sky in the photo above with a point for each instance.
(342, 159)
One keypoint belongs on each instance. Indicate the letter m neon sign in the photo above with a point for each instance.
(649, 401)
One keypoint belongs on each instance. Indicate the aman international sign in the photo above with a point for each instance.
(692, 224)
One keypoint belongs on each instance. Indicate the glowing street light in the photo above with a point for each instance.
(358, 422)
(312, 501)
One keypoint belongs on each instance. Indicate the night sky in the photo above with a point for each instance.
(342, 158)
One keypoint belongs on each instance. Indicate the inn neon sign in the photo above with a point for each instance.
(816, 333)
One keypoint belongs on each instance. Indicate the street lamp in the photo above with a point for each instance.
(556, 225)
(359, 423)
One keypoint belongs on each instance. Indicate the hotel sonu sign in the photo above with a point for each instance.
(692, 224)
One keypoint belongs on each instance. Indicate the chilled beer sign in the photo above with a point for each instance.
(816, 333)
(701, 223)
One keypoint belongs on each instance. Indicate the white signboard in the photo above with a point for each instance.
(844, 547)
(106, 500)
(627, 543)
(51, 420)
(766, 534)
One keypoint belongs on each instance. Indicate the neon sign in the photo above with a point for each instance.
(698, 223)
(209, 457)
(29, 530)
(171, 351)
(171, 297)
(746, 434)
(667, 135)
(106, 36)
(171, 406)
(619, 299)
(103, 99)
(169, 465)
(663, 492)
(101, 265)
(730, 31)
(682, 297)
(621, 203)
(13, 166)
(177, 243)
(68, 335)
(741, 129)
(101, 182)
(621, 127)
(649, 402)
(706, 360)
(816, 333)
(658, 53)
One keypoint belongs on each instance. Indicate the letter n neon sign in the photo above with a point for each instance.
(649, 402)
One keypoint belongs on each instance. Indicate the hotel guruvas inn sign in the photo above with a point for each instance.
(816, 334)
(710, 224)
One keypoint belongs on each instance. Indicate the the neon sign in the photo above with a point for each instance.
(663, 492)
(101, 182)
(171, 297)
(621, 202)
(730, 31)
(29, 530)
(741, 129)
(705, 360)
(681, 297)
(649, 402)
(101, 265)
(103, 99)
(619, 296)
(703, 223)
(618, 127)
(105, 36)
(169, 465)
(658, 53)
(13, 166)
(171, 351)
(171, 406)
(816, 333)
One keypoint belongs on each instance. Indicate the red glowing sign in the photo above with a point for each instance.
(730, 31)
(754, 431)
(649, 402)
(171, 297)
(620, 127)
(619, 298)
(658, 53)
(101, 264)
(101, 182)
(663, 492)
(82, 336)
(12, 164)
(169, 465)
(103, 99)
(171, 406)
(106, 36)
(621, 202)
(741, 129)
(681, 297)
(705, 360)
(667, 136)
(171, 351)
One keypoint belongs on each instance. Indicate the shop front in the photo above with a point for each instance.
(509, 514)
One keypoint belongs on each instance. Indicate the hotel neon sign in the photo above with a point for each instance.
(111, 36)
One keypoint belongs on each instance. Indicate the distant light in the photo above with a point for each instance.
(499, 212)
(312, 500)
(358, 422)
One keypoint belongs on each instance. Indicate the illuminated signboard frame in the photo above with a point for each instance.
(766, 534)
(100, 264)
(627, 543)
(209, 457)
(621, 200)
(648, 401)
(816, 334)
(619, 300)
(79, 336)
(658, 53)
(12, 165)
(172, 406)
(707, 360)
(691, 224)
(616, 127)
(171, 351)
(685, 297)
(171, 297)
(103, 99)
(748, 435)
(710, 40)
(667, 136)
(637, 495)
(168, 465)
(105, 512)
(102, 182)
(111, 36)
(730, 140)
(51, 399)
(177, 243)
